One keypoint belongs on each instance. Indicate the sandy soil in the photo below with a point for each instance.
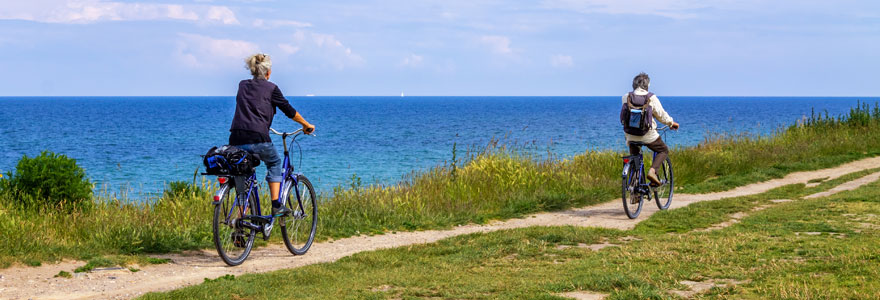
(191, 268)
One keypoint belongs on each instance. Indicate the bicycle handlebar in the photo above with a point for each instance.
(284, 133)
(288, 133)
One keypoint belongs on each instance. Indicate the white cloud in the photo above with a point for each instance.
(412, 60)
(205, 52)
(91, 11)
(280, 23)
(324, 48)
(498, 44)
(222, 14)
(288, 48)
(677, 9)
(561, 61)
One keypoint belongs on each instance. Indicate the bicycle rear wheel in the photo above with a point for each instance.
(233, 242)
(298, 229)
(632, 199)
(663, 193)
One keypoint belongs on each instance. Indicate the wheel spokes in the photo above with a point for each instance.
(234, 239)
(296, 203)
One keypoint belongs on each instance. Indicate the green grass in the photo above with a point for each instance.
(496, 182)
(110, 227)
(63, 274)
(766, 251)
(704, 214)
(501, 183)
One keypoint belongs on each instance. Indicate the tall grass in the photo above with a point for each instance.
(500, 182)
(495, 182)
(110, 226)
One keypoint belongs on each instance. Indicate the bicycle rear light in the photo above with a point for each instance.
(222, 180)
(626, 160)
(216, 198)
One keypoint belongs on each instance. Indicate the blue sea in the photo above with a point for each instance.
(136, 145)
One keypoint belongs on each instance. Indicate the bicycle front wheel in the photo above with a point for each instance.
(233, 242)
(632, 199)
(663, 193)
(298, 229)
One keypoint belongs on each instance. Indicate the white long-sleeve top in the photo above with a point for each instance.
(659, 115)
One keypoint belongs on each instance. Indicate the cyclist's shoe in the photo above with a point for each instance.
(652, 176)
(281, 211)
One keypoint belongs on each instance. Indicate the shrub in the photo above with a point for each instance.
(48, 181)
(178, 189)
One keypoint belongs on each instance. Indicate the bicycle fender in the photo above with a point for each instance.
(625, 169)
(285, 190)
(219, 195)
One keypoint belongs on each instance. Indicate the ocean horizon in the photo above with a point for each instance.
(136, 145)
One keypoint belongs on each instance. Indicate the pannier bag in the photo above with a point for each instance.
(636, 115)
(229, 160)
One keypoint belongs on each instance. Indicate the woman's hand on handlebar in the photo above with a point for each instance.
(674, 126)
(308, 128)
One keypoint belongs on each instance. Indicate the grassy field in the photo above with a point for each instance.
(804, 249)
(493, 183)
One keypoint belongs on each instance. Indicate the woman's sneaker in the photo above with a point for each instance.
(280, 211)
(652, 176)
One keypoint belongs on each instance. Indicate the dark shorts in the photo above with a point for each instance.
(657, 146)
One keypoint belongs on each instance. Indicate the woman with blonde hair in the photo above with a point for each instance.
(255, 107)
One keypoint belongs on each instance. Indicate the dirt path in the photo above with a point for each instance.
(193, 268)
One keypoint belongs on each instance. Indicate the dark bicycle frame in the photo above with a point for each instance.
(287, 174)
(644, 187)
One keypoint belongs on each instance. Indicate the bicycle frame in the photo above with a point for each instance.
(287, 173)
(644, 187)
(242, 200)
(638, 160)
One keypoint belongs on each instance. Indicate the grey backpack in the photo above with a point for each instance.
(636, 116)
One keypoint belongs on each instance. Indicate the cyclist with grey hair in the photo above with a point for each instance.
(642, 100)
(255, 107)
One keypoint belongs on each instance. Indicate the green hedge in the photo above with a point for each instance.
(49, 180)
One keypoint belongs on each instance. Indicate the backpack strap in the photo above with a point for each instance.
(631, 105)
(629, 102)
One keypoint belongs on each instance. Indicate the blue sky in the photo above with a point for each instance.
(443, 47)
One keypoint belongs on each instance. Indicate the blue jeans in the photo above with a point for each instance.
(269, 155)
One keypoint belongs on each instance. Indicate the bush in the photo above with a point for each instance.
(48, 181)
(178, 189)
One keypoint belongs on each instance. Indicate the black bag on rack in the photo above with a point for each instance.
(229, 160)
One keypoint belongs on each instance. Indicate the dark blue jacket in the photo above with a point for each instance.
(254, 109)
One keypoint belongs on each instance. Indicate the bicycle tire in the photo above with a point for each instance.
(667, 186)
(226, 235)
(629, 186)
(303, 218)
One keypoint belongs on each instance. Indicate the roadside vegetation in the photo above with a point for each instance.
(493, 182)
(818, 248)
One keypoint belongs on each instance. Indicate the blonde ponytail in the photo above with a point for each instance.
(259, 64)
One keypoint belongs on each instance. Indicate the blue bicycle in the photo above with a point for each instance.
(635, 187)
(238, 217)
